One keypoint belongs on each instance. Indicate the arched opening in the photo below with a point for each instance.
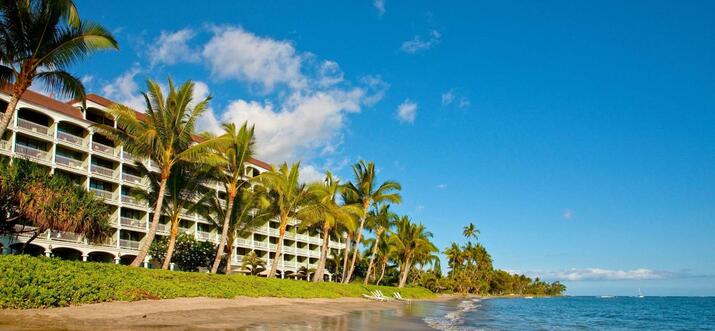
(97, 116)
(66, 253)
(31, 120)
(3, 106)
(31, 249)
(71, 133)
(126, 259)
(100, 257)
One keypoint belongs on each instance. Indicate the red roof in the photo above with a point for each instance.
(46, 102)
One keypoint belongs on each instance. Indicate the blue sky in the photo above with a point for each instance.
(578, 137)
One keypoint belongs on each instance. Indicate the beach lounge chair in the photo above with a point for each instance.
(386, 298)
(399, 297)
(374, 296)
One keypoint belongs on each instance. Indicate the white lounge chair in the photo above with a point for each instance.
(399, 297)
(374, 296)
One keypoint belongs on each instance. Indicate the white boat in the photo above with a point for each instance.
(640, 294)
(606, 296)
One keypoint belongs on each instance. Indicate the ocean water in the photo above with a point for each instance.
(566, 313)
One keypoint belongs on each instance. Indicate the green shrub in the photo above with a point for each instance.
(31, 282)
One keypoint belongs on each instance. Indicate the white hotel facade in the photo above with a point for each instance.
(59, 135)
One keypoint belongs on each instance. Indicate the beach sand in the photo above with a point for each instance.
(188, 314)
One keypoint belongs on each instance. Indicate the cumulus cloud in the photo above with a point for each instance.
(419, 43)
(330, 74)
(233, 53)
(407, 111)
(309, 173)
(125, 90)
(173, 47)
(441, 186)
(568, 214)
(380, 6)
(598, 274)
(449, 97)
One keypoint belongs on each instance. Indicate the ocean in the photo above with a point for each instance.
(563, 313)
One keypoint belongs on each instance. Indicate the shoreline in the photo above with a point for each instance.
(191, 313)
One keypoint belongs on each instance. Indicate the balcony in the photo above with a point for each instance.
(103, 149)
(163, 228)
(288, 250)
(5, 146)
(132, 223)
(126, 156)
(107, 195)
(70, 139)
(103, 171)
(32, 153)
(132, 179)
(263, 231)
(33, 127)
(260, 244)
(301, 251)
(203, 235)
(69, 162)
(129, 244)
(290, 264)
(130, 200)
(274, 232)
(243, 242)
(66, 236)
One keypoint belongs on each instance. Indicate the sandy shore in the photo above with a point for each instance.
(187, 314)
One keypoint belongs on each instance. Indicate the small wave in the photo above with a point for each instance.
(451, 320)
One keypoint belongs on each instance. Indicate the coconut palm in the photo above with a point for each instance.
(164, 135)
(378, 221)
(290, 199)
(470, 231)
(384, 253)
(410, 241)
(234, 148)
(253, 263)
(329, 216)
(250, 209)
(454, 255)
(39, 40)
(367, 192)
(184, 188)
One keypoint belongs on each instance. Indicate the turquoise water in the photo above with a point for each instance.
(568, 313)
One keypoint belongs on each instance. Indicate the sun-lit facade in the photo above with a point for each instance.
(60, 136)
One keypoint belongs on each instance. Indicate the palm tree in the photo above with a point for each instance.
(290, 199)
(253, 263)
(379, 221)
(454, 255)
(165, 136)
(470, 231)
(234, 149)
(329, 216)
(367, 192)
(184, 187)
(410, 241)
(39, 39)
(384, 253)
(250, 209)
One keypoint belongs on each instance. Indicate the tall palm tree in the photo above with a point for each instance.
(367, 192)
(410, 240)
(164, 136)
(455, 257)
(234, 148)
(290, 199)
(383, 255)
(470, 231)
(379, 221)
(39, 40)
(329, 216)
(249, 210)
(184, 188)
(253, 263)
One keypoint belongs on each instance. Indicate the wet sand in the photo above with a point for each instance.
(190, 314)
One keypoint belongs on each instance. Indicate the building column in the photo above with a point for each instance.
(84, 257)
(117, 259)
(330, 277)
(48, 252)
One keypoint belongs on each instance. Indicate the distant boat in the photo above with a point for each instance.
(640, 294)
(528, 297)
(606, 296)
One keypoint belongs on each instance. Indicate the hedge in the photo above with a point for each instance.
(39, 282)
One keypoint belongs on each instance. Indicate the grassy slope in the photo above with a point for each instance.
(30, 282)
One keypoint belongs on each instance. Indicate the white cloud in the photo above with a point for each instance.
(173, 47)
(125, 90)
(447, 98)
(86, 79)
(464, 102)
(450, 96)
(417, 43)
(309, 173)
(568, 214)
(441, 186)
(233, 53)
(380, 6)
(596, 274)
(330, 74)
(407, 111)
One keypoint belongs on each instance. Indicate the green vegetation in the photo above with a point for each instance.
(30, 282)
(189, 254)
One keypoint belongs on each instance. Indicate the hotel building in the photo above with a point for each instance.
(60, 136)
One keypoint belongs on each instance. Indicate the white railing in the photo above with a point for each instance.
(259, 244)
(185, 230)
(100, 170)
(243, 242)
(132, 223)
(102, 193)
(272, 247)
(132, 200)
(31, 152)
(126, 156)
(203, 235)
(102, 148)
(301, 236)
(274, 232)
(109, 242)
(288, 250)
(4, 145)
(32, 126)
(66, 236)
(69, 162)
(132, 179)
(163, 228)
(301, 251)
(290, 264)
(129, 244)
(70, 138)
(261, 231)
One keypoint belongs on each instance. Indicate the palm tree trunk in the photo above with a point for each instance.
(372, 257)
(318, 275)
(279, 248)
(224, 232)
(346, 257)
(405, 272)
(382, 273)
(357, 244)
(229, 255)
(17, 91)
(172, 242)
(144, 248)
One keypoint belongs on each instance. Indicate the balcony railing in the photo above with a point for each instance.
(69, 162)
(5, 145)
(32, 126)
(129, 244)
(290, 264)
(102, 193)
(273, 232)
(126, 156)
(66, 236)
(128, 199)
(301, 251)
(132, 223)
(132, 179)
(103, 171)
(261, 231)
(203, 235)
(31, 152)
(102, 148)
(259, 244)
(70, 138)
(163, 228)
(243, 242)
